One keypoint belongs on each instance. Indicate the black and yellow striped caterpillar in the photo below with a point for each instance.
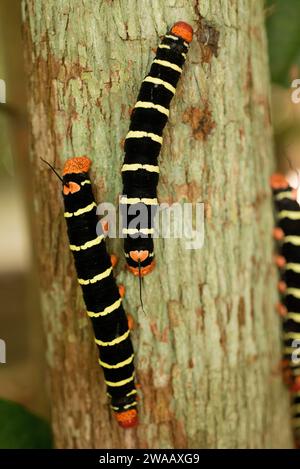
(287, 233)
(100, 292)
(142, 146)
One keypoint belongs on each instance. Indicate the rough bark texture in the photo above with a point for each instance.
(208, 352)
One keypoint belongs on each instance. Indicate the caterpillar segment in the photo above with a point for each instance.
(103, 299)
(287, 235)
(140, 170)
(296, 416)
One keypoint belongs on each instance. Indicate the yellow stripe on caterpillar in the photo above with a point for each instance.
(107, 310)
(291, 335)
(164, 46)
(289, 350)
(149, 105)
(295, 240)
(80, 211)
(293, 292)
(136, 200)
(117, 365)
(118, 384)
(125, 407)
(134, 391)
(293, 266)
(135, 167)
(142, 134)
(289, 214)
(166, 63)
(183, 55)
(132, 231)
(159, 81)
(170, 36)
(150, 255)
(86, 181)
(284, 195)
(115, 341)
(96, 278)
(87, 245)
(293, 316)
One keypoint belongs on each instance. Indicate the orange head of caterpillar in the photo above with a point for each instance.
(278, 181)
(127, 419)
(77, 165)
(183, 30)
(139, 257)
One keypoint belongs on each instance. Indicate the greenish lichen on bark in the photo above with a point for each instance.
(208, 351)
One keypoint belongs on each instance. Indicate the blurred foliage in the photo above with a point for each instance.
(283, 28)
(21, 429)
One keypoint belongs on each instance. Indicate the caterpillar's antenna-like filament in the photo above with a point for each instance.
(54, 170)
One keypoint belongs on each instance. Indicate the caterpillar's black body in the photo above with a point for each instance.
(100, 292)
(288, 235)
(143, 143)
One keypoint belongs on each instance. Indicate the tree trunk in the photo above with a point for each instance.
(208, 351)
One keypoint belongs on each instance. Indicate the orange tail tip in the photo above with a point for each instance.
(142, 271)
(127, 419)
(139, 256)
(278, 234)
(183, 30)
(78, 164)
(278, 181)
(121, 290)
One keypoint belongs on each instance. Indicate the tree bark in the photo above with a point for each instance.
(208, 351)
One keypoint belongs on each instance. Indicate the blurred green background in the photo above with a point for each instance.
(24, 407)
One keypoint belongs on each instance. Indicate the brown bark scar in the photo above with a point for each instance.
(200, 120)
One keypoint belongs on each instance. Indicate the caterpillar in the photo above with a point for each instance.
(287, 233)
(142, 147)
(100, 292)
